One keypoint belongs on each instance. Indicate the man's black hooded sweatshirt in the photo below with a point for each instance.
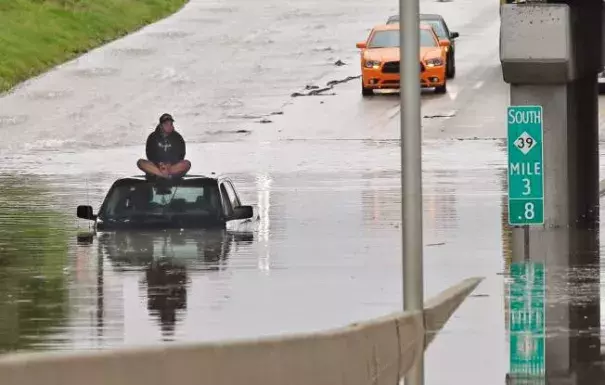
(163, 148)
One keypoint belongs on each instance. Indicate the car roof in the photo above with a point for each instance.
(386, 27)
(431, 16)
(426, 16)
(395, 27)
(213, 177)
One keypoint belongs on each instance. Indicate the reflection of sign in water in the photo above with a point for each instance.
(527, 320)
(525, 165)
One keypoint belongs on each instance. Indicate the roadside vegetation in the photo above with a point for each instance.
(36, 35)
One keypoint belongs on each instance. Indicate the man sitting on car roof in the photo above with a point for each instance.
(165, 150)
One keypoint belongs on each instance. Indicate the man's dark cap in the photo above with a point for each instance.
(165, 118)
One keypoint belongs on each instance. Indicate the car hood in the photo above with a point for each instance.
(429, 52)
(382, 54)
(392, 54)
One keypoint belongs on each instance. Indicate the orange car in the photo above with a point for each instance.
(380, 60)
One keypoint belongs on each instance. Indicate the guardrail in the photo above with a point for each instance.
(377, 352)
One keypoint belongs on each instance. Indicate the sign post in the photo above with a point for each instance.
(527, 320)
(525, 165)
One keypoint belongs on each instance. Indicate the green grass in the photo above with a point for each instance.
(36, 35)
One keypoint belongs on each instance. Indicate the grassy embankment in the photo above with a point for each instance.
(36, 35)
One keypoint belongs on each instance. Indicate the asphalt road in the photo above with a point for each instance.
(323, 171)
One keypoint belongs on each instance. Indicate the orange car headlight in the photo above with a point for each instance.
(372, 64)
(435, 62)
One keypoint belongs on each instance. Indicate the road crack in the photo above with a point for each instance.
(316, 90)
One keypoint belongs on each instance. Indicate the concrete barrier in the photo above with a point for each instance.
(439, 309)
(376, 352)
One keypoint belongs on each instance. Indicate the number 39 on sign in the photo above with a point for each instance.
(525, 166)
(524, 143)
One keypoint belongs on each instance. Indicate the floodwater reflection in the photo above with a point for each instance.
(166, 257)
(166, 292)
(33, 286)
(553, 308)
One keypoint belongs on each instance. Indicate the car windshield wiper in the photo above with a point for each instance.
(140, 218)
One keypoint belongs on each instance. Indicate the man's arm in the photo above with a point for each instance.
(151, 149)
(181, 150)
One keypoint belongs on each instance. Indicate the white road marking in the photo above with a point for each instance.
(452, 92)
(478, 85)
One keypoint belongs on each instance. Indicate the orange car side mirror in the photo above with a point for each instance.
(444, 43)
(362, 45)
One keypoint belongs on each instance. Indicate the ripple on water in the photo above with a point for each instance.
(12, 120)
(133, 51)
(95, 72)
(49, 95)
(170, 34)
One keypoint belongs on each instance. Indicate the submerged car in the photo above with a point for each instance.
(192, 202)
(380, 60)
(446, 37)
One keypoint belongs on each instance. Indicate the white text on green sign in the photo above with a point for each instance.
(525, 165)
(527, 319)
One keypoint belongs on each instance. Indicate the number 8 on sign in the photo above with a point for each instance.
(529, 211)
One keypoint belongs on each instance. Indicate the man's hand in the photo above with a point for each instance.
(164, 168)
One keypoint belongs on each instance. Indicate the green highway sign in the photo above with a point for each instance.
(525, 165)
(527, 320)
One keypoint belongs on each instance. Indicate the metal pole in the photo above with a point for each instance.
(411, 167)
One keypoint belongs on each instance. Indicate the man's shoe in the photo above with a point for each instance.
(151, 177)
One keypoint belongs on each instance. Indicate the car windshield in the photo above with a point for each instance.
(384, 39)
(438, 27)
(427, 39)
(137, 201)
(390, 38)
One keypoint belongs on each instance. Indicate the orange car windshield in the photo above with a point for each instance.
(390, 39)
(384, 39)
(427, 39)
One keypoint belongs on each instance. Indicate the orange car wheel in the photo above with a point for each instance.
(365, 91)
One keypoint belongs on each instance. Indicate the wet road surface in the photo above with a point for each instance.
(322, 170)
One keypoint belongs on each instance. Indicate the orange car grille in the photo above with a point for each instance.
(392, 67)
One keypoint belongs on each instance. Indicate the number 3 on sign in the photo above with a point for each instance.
(526, 186)
(529, 211)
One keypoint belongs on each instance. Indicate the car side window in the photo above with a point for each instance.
(227, 205)
(446, 29)
(232, 195)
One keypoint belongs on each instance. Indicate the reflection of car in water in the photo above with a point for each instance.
(190, 202)
(166, 257)
(195, 248)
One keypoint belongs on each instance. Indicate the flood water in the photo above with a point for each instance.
(327, 243)
(323, 173)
